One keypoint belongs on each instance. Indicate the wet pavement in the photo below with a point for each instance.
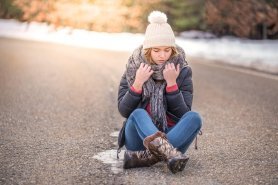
(59, 119)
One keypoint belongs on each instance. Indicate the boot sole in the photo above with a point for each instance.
(177, 165)
(130, 162)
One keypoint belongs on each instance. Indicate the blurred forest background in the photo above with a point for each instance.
(254, 19)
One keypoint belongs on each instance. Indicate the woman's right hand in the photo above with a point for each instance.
(143, 73)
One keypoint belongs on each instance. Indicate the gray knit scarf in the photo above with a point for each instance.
(154, 87)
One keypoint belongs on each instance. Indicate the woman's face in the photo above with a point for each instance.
(161, 54)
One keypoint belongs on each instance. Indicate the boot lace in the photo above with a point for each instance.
(196, 140)
(167, 148)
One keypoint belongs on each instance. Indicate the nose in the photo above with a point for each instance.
(162, 54)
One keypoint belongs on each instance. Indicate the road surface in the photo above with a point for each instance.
(58, 107)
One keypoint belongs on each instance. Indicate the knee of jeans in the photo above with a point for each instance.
(196, 119)
(139, 111)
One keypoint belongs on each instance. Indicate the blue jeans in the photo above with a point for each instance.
(139, 125)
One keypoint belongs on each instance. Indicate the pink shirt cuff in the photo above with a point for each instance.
(171, 88)
(136, 91)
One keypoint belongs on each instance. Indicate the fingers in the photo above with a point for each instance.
(144, 72)
(171, 66)
(178, 68)
(168, 66)
(141, 66)
(145, 68)
(148, 68)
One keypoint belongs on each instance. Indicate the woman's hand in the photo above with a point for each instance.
(143, 73)
(171, 73)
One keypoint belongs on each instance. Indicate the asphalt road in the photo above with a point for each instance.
(58, 107)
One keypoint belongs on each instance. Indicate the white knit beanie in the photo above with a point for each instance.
(158, 32)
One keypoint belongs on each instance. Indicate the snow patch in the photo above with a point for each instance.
(256, 54)
(110, 157)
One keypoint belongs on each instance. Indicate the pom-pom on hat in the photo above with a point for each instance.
(158, 32)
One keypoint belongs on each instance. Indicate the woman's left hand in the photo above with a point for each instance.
(171, 73)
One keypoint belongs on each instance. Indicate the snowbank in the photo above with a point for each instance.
(257, 54)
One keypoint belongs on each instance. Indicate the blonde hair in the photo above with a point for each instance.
(147, 53)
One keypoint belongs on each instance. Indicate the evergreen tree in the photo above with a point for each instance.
(8, 10)
(186, 14)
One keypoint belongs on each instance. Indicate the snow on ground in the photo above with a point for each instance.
(256, 54)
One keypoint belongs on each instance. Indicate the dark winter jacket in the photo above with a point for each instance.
(177, 103)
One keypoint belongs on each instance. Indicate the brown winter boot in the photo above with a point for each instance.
(134, 159)
(161, 148)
